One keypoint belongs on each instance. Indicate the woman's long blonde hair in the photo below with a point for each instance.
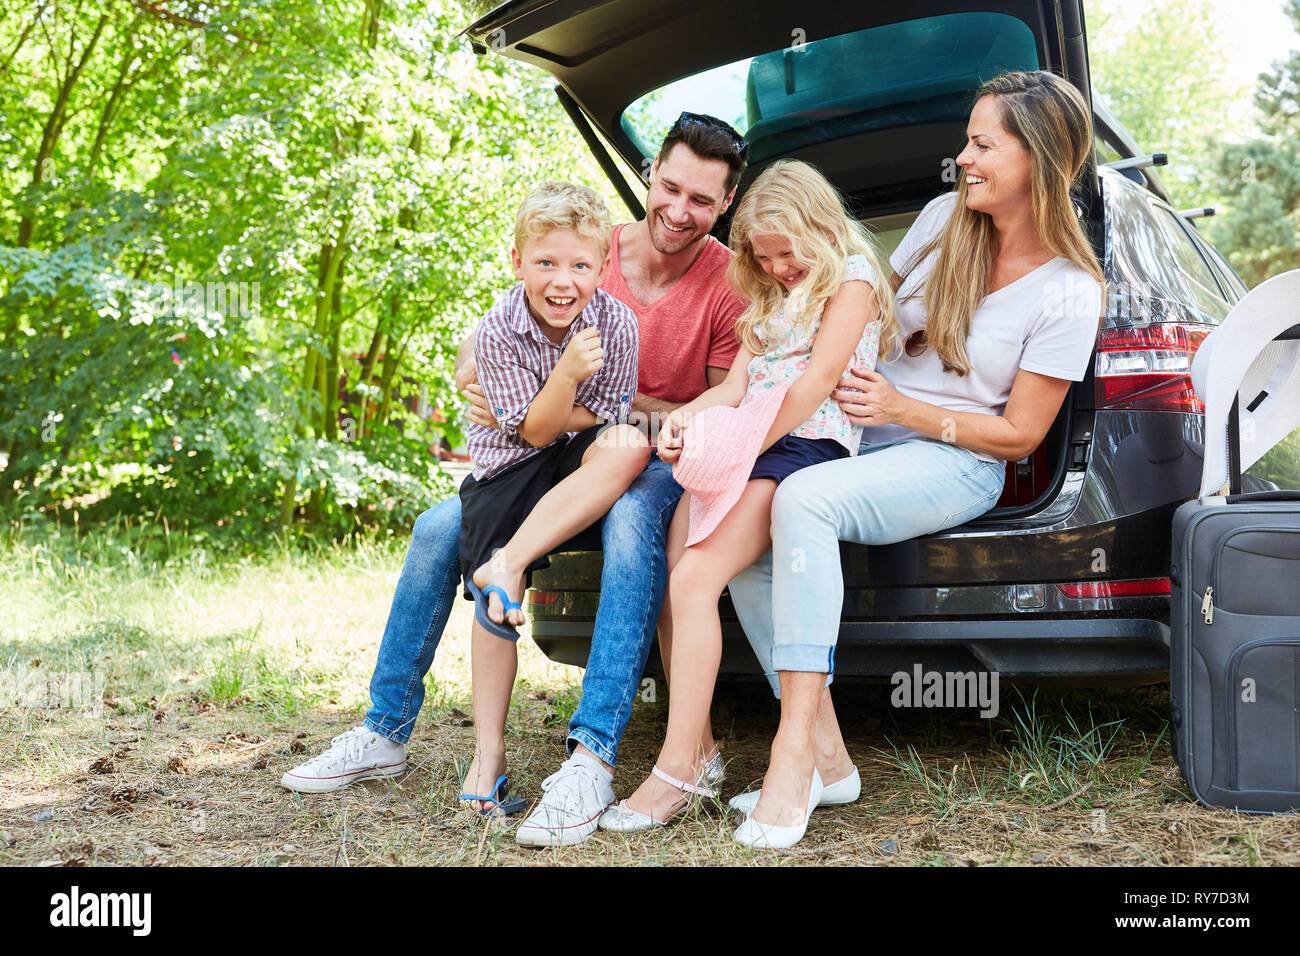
(791, 198)
(1050, 118)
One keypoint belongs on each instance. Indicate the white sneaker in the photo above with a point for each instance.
(572, 801)
(359, 754)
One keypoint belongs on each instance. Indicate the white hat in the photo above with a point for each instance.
(1241, 356)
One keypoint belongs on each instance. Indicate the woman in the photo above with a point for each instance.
(999, 296)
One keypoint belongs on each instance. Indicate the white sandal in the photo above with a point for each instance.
(621, 818)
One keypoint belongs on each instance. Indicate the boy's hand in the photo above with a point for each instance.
(670, 437)
(582, 357)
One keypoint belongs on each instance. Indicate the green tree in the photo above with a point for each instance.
(352, 169)
(1258, 227)
(1160, 74)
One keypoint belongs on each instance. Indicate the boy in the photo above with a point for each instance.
(556, 357)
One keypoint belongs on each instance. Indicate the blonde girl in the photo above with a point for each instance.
(817, 308)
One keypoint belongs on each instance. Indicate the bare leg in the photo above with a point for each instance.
(494, 664)
(676, 546)
(695, 586)
(832, 758)
(608, 467)
(788, 780)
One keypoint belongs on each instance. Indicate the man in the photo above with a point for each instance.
(672, 274)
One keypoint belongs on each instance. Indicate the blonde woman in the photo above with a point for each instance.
(810, 274)
(999, 297)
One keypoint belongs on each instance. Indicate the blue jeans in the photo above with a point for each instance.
(632, 582)
(426, 591)
(790, 604)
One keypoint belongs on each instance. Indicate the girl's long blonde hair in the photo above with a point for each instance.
(1050, 118)
(791, 198)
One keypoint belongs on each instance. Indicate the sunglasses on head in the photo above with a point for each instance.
(703, 119)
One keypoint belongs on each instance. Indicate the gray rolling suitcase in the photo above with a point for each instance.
(1234, 657)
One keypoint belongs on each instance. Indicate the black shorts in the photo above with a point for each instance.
(492, 510)
(787, 455)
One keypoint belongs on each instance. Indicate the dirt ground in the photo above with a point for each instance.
(196, 783)
(215, 684)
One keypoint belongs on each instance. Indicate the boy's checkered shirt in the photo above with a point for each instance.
(514, 358)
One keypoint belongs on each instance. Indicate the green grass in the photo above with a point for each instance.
(182, 620)
(1048, 751)
(217, 671)
(1053, 755)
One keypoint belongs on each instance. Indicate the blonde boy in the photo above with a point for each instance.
(557, 360)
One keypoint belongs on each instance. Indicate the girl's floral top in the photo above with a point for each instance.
(789, 353)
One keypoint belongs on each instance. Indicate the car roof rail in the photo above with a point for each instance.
(1139, 162)
(1198, 212)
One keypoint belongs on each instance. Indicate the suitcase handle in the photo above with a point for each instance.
(1264, 496)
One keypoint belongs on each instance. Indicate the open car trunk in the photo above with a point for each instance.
(874, 94)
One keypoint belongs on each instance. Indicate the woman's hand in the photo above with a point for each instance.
(671, 435)
(867, 398)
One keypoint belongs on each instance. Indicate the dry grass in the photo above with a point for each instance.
(218, 677)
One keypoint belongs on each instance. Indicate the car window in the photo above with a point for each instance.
(888, 232)
(814, 90)
(1158, 267)
(1227, 277)
(1279, 468)
(1196, 271)
(1103, 151)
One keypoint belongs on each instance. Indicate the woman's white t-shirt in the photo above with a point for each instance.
(1044, 322)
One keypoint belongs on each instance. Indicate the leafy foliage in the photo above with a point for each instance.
(241, 244)
(1158, 73)
(1260, 179)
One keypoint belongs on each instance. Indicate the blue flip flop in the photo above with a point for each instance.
(481, 611)
(503, 804)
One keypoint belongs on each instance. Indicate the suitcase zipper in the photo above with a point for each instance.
(1207, 605)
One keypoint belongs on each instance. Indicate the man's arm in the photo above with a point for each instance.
(651, 405)
(466, 370)
(466, 379)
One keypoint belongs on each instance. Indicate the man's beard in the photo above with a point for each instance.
(666, 242)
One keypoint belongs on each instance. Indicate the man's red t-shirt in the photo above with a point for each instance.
(691, 327)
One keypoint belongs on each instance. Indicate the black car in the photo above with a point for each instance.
(1068, 577)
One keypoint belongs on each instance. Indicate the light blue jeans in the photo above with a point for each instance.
(789, 601)
(631, 594)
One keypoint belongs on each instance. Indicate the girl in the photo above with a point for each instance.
(817, 307)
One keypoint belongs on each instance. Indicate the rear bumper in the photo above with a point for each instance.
(1072, 651)
(983, 596)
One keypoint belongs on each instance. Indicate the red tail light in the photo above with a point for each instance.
(1092, 589)
(1149, 367)
(543, 597)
